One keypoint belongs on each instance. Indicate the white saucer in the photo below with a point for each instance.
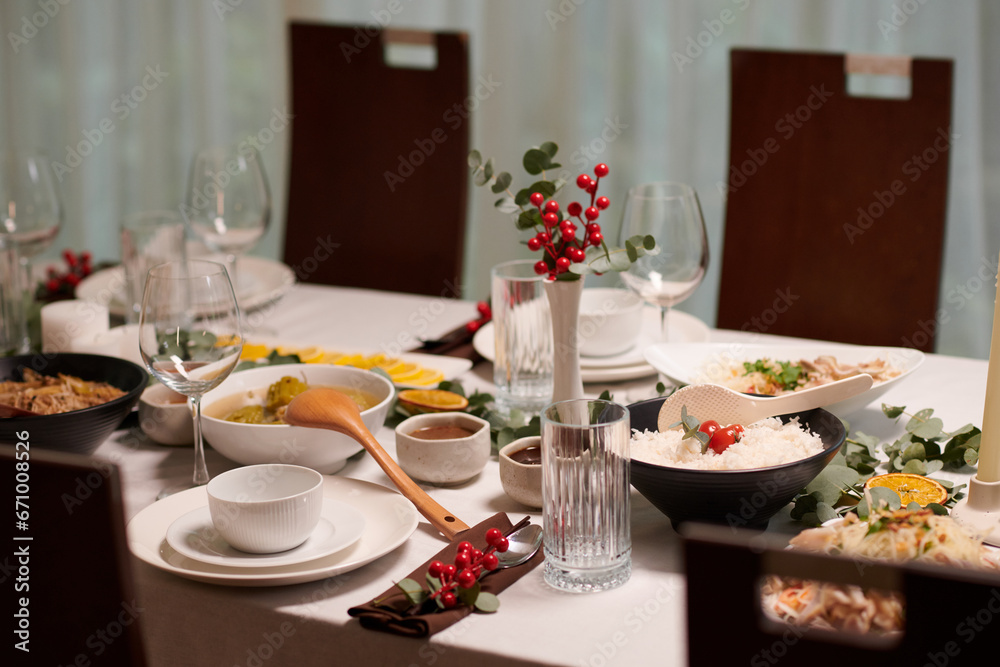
(193, 535)
(390, 519)
(630, 365)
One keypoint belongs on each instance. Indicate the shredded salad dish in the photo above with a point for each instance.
(887, 535)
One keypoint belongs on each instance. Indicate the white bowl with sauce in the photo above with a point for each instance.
(521, 471)
(320, 449)
(443, 448)
(164, 416)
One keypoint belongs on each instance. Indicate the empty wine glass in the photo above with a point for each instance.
(228, 203)
(189, 337)
(671, 214)
(29, 222)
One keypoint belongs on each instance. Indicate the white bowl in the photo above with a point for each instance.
(266, 508)
(320, 449)
(691, 363)
(521, 481)
(165, 419)
(610, 321)
(443, 462)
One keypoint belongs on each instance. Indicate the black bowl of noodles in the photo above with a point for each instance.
(80, 430)
(738, 498)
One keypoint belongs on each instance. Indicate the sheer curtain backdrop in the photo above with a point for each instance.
(642, 85)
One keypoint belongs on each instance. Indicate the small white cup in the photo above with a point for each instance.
(610, 321)
(443, 462)
(266, 508)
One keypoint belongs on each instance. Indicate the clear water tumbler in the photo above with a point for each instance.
(585, 495)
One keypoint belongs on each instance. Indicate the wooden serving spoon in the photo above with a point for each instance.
(322, 407)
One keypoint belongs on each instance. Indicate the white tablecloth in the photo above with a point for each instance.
(641, 623)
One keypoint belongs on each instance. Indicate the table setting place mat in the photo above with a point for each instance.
(388, 612)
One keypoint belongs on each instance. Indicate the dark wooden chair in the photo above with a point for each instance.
(378, 180)
(835, 212)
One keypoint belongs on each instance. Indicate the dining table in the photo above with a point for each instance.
(643, 622)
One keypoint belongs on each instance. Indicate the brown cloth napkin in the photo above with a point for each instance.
(389, 617)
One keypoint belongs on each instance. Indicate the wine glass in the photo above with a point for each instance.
(189, 337)
(29, 222)
(228, 203)
(671, 214)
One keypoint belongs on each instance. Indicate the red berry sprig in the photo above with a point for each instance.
(469, 566)
(485, 315)
(63, 284)
(558, 235)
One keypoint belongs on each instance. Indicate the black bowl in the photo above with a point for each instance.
(80, 431)
(737, 498)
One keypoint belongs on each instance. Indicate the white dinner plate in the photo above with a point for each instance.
(193, 535)
(630, 365)
(390, 519)
(692, 362)
(261, 281)
(450, 367)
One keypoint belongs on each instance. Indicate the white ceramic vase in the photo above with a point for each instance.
(564, 306)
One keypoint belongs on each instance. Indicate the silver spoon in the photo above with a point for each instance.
(523, 543)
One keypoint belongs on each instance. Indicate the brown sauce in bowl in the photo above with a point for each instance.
(441, 433)
(531, 456)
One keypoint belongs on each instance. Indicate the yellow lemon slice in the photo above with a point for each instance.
(254, 351)
(432, 400)
(370, 362)
(311, 355)
(404, 372)
(349, 360)
(391, 365)
(911, 487)
(427, 376)
(331, 357)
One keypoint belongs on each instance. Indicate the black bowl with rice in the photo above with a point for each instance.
(746, 497)
(92, 412)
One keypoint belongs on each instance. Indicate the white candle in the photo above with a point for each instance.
(989, 447)
(64, 322)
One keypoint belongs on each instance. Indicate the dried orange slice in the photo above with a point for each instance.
(910, 487)
(432, 400)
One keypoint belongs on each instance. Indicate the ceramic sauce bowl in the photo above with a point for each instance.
(443, 448)
(520, 476)
(164, 416)
(610, 321)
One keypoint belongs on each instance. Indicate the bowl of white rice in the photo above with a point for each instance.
(745, 485)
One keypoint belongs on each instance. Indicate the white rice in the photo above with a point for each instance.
(766, 443)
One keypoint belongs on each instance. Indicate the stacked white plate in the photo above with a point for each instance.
(630, 365)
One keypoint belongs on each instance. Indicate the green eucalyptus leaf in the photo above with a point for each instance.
(506, 436)
(933, 466)
(825, 512)
(558, 184)
(475, 159)
(502, 183)
(937, 509)
(971, 456)
(914, 451)
(414, 592)
(547, 188)
(869, 442)
(649, 243)
(549, 148)
(536, 161)
(891, 411)
(488, 169)
(467, 596)
(931, 428)
(480, 177)
(831, 482)
(523, 197)
(529, 219)
(506, 205)
(914, 467)
(487, 602)
(914, 506)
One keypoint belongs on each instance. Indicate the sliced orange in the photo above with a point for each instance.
(432, 400)
(370, 362)
(254, 351)
(427, 376)
(404, 372)
(910, 487)
(348, 360)
(311, 355)
(331, 357)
